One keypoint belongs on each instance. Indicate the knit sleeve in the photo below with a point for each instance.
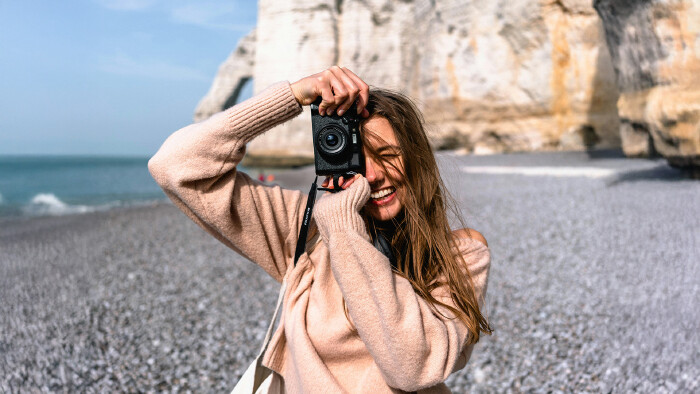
(414, 346)
(196, 167)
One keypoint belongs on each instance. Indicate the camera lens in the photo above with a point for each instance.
(331, 140)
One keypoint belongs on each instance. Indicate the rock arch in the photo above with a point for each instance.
(232, 76)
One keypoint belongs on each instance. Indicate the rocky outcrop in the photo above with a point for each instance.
(490, 76)
(655, 48)
(230, 79)
(516, 76)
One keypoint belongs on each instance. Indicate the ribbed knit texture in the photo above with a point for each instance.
(341, 211)
(261, 112)
(400, 344)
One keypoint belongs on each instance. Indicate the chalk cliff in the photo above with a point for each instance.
(490, 76)
(655, 47)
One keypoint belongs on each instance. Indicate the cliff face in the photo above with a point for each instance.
(655, 47)
(516, 76)
(490, 76)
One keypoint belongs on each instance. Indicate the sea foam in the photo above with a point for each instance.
(49, 204)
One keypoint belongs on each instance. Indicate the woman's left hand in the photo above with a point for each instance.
(344, 183)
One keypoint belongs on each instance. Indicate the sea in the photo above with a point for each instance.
(60, 185)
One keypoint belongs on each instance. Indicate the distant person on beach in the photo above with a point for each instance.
(355, 319)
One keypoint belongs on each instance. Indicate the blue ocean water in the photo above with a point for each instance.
(57, 185)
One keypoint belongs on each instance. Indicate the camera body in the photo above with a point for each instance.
(337, 142)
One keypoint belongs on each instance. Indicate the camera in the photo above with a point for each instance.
(337, 142)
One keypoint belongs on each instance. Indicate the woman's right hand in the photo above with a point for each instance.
(338, 87)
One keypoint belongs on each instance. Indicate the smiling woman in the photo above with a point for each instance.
(386, 296)
(408, 204)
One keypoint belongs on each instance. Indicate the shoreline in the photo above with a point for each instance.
(296, 178)
(300, 178)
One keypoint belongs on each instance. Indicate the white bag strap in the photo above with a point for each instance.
(268, 336)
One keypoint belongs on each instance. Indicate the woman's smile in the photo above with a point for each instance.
(383, 196)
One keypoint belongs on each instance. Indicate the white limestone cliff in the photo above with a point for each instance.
(490, 76)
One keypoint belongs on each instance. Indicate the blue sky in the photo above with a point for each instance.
(109, 77)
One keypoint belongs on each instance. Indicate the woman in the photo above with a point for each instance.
(353, 320)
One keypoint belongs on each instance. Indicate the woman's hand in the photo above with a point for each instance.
(338, 87)
(344, 184)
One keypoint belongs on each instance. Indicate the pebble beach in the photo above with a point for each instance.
(594, 286)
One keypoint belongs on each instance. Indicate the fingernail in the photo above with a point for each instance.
(340, 112)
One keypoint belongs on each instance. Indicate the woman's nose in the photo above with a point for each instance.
(369, 170)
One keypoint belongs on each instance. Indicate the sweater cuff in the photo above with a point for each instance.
(340, 212)
(274, 105)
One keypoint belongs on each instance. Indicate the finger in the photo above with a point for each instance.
(340, 93)
(364, 92)
(352, 89)
(348, 183)
(325, 182)
(352, 180)
(323, 88)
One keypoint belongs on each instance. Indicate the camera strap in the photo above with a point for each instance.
(304, 230)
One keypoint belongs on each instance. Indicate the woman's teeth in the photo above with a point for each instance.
(381, 193)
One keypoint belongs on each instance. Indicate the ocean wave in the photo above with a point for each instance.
(49, 204)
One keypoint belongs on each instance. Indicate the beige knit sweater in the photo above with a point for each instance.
(399, 344)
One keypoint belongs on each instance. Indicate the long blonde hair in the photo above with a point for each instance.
(422, 240)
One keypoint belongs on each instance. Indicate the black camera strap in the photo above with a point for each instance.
(304, 230)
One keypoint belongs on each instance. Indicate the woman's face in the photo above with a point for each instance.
(385, 201)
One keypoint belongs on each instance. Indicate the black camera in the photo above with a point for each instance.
(337, 142)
